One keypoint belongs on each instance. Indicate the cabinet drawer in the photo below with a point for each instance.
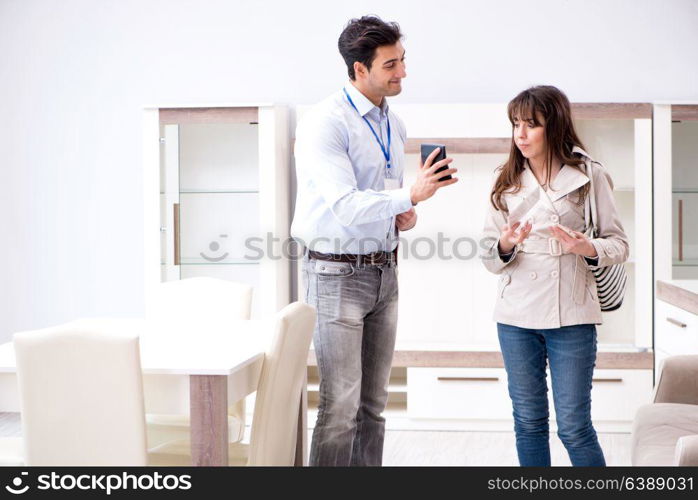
(478, 393)
(676, 330)
(617, 394)
(469, 393)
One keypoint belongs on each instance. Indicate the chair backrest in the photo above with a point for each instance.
(678, 380)
(193, 300)
(275, 418)
(81, 395)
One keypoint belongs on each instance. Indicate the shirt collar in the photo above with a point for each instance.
(363, 105)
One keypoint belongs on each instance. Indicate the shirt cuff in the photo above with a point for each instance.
(400, 200)
(592, 261)
(505, 257)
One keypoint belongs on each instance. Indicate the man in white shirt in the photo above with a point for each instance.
(350, 161)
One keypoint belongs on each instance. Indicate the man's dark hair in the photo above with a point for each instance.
(361, 37)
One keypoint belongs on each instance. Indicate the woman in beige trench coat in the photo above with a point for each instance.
(547, 305)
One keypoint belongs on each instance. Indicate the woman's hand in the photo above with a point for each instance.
(511, 237)
(573, 241)
(406, 220)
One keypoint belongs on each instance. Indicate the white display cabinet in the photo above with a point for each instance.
(676, 190)
(675, 227)
(684, 172)
(222, 177)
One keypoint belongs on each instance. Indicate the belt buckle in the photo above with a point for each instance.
(554, 247)
(376, 258)
(372, 259)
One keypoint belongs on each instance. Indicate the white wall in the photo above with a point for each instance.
(75, 74)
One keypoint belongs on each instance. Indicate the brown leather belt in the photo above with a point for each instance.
(371, 259)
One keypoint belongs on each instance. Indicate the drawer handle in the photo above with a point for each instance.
(606, 379)
(470, 379)
(676, 322)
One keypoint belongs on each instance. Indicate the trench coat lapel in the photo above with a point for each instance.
(530, 184)
(567, 181)
(570, 178)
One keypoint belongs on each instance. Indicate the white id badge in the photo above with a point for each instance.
(391, 183)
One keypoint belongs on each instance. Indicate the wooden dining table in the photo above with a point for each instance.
(187, 368)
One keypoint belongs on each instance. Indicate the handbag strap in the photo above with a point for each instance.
(590, 205)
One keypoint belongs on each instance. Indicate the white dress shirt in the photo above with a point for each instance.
(343, 203)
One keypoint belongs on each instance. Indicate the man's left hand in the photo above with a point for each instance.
(406, 220)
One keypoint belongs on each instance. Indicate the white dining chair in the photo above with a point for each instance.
(194, 302)
(275, 417)
(81, 396)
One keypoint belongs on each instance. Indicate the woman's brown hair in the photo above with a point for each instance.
(550, 104)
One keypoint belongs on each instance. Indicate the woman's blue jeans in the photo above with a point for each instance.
(571, 353)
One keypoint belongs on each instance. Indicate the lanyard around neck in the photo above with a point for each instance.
(386, 151)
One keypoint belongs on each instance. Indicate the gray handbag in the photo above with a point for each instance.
(611, 280)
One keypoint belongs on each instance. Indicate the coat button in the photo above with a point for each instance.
(554, 274)
(533, 275)
(554, 218)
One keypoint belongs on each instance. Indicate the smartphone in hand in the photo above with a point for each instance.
(426, 151)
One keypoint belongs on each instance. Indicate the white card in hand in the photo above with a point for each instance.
(391, 183)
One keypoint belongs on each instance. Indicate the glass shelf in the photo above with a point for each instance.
(685, 263)
(215, 263)
(192, 263)
(239, 191)
(201, 262)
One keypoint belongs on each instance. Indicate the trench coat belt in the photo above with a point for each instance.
(549, 246)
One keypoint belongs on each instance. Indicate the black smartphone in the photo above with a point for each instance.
(426, 151)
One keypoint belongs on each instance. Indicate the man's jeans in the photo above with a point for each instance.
(571, 354)
(354, 341)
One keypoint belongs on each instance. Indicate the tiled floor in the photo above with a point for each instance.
(483, 448)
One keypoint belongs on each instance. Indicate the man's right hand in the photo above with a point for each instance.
(427, 181)
(510, 237)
